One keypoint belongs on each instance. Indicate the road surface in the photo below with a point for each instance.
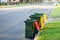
(12, 26)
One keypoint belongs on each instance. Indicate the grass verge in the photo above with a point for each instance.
(58, 4)
(55, 12)
(50, 32)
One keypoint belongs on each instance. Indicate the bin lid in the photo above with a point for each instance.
(38, 14)
(30, 20)
(35, 15)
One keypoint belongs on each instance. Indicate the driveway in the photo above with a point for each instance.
(12, 26)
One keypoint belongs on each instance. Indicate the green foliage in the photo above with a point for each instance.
(50, 32)
(3, 3)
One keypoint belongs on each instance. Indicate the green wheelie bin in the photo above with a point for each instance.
(29, 29)
(43, 19)
(35, 17)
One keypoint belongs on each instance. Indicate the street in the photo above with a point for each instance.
(12, 26)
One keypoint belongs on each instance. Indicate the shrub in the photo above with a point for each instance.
(3, 3)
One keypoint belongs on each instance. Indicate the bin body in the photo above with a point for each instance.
(35, 17)
(29, 29)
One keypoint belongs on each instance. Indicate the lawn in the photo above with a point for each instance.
(57, 4)
(50, 32)
(55, 12)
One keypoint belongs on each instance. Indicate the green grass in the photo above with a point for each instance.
(50, 32)
(58, 4)
(55, 12)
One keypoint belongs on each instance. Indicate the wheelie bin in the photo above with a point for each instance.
(30, 29)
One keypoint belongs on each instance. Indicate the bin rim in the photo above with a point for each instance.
(30, 20)
(35, 16)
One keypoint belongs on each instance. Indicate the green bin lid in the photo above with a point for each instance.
(30, 20)
(38, 14)
(35, 15)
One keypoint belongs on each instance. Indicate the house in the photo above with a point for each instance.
(13, 1)
(20, 1)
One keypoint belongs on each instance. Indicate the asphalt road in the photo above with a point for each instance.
(12, 26)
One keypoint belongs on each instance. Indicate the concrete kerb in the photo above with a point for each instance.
(37, 36)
